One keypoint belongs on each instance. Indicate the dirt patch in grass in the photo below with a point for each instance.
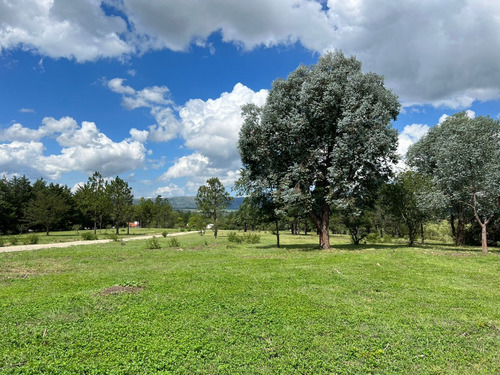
(117, 289)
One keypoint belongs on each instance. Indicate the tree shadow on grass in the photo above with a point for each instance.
(382, 246)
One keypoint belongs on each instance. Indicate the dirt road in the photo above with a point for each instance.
(8, 249)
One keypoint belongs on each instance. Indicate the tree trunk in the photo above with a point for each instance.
(484, 239)
(422, 235)
(128, 227)
(460, 240)
(323, 226)
(215, 224)
(277, 233)
(117, 228)
(453, 229)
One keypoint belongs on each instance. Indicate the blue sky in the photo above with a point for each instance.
(151, 90)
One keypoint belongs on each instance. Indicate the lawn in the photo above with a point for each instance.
(76, 235)
(218, 307)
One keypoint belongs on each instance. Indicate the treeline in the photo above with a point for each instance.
(99, 203)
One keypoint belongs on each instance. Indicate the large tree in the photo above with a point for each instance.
(211, 199)
(462, 158)
(323, 137)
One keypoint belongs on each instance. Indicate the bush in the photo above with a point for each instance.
(251, 238)
(14, 240)
(174, 242)
(248, 238)
(31, 239)
(233, 237)
(88, 236)
(2, 241)
(113, 236)
(164, 233)
(153, 244)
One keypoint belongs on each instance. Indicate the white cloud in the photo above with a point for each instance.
(27, 110)
(440, 52)
(167, 126)
(77, 29)
(410, 135)
(187, 166)
(175, 24)
(212, 127)
(171, 190)
(471, 114)
(83, 148)
(116, 85)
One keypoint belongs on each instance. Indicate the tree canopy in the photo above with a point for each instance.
(462, 158)
(323, 137)
(211, 199)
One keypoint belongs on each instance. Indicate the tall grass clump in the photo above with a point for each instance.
(153, 244)
(88, 236)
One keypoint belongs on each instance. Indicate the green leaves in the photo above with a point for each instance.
(324, 135)
(212, 198)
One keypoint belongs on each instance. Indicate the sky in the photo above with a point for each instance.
(151, 90)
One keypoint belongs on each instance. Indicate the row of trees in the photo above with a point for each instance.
(323, 143)
(96, 204)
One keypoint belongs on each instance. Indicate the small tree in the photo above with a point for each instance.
(92, 200)
(121, 199)
(211, 199)
(49, 207)
(401, 199)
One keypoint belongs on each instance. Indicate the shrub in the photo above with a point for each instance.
(164, 233)
(14, 240)
(233, 237)
(251, 238)
(174, 242)
(88, 236)
(153, 244)
(113, 236)
(31, 239)
(2, 242)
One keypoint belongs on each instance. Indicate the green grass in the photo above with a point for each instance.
(67, 236)
(217, 307)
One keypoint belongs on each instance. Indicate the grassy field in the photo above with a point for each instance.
(216, 307)
(68, 236)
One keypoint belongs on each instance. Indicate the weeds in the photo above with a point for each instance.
(88, 236)
(153, 244)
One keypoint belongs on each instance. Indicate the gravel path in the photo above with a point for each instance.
(8, 249)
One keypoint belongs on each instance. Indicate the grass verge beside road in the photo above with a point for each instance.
(213, 306)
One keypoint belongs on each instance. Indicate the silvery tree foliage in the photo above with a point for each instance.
(462, 158)
(323, 138)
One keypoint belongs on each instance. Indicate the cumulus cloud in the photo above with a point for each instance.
(83, 148)
(79, 29)
(176, 24)
(157, 99)
(471, 114)
(171, 190)
(212, 127)
(438, 52)
(435, 52)
(410, 135)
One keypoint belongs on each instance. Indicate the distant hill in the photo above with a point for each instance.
(188, 203)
